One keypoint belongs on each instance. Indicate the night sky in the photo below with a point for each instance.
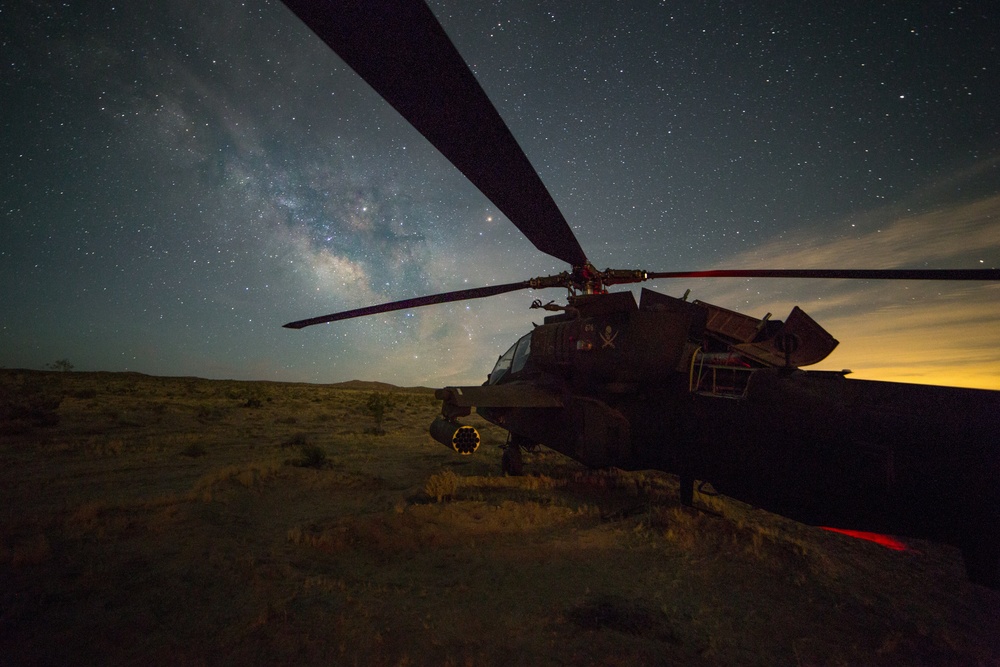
(179, 179)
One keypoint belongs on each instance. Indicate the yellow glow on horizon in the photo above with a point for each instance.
(941, 337)
(911, 363)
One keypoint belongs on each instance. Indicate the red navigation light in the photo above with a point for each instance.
(884, 540)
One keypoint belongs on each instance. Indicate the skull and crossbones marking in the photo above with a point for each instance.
(608, 337)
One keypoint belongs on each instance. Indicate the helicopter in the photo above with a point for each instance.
(697, 390)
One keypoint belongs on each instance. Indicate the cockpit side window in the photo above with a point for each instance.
(513, 360)
(503, 365)
(521, 354)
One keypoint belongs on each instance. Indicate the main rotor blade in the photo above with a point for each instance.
(406, 304)
(401, 50)
(854, 274)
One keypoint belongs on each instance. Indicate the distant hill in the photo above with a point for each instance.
(369, 385)
(354, 385)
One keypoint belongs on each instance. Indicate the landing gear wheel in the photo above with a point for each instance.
(511, 462)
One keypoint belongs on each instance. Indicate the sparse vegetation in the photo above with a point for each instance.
(328, 545)
(63, 365)
(253, 401)
(377, 404)
(311, 456)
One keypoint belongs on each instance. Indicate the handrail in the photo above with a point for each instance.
(703, 377)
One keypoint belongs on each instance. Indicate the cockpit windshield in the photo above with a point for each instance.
(513, 360)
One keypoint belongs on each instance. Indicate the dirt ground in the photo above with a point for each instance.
(178, 521)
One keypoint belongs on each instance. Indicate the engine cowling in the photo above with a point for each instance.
(461, 438)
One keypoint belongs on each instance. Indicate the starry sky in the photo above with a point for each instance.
(179, 179)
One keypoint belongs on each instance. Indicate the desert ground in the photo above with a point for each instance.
(180, 521)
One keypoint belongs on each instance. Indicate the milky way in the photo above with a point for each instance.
(180, 179)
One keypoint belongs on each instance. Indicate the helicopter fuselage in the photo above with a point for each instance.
(675, 386)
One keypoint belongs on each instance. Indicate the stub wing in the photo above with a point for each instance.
(514, 395)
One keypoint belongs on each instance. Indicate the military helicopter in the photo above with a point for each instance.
(686, 387)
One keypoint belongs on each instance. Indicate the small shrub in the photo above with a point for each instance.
(253, 402)
(194, 450)
(442, 485)
(60, 365)
(313, 456)
(377, 405)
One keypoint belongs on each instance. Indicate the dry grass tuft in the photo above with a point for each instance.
(249, 475)
(446, 485)
(442, 486)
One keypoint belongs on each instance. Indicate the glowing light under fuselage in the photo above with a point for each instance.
(883, 540)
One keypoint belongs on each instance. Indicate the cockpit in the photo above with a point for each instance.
(512, 361)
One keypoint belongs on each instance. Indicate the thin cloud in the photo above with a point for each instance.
(938, 238)
(927, 332)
